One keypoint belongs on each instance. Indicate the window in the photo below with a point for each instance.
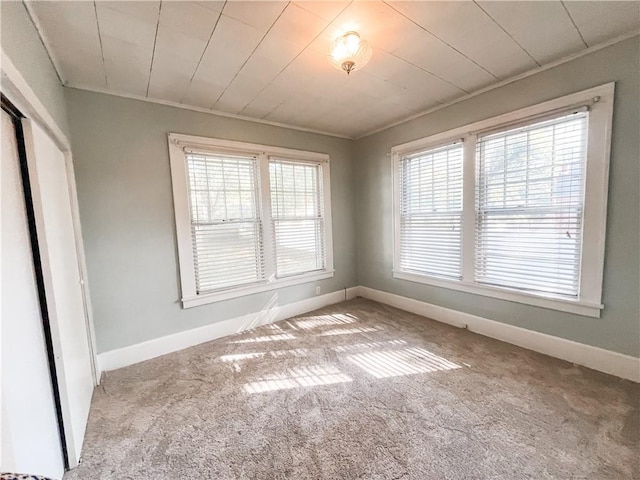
(249, 218)
(431, 211)
(226, 230)
(529, 205)
(297, 215)
(512, 207)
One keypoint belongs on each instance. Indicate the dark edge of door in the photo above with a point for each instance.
(16, 116)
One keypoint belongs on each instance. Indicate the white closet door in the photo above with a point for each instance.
(30, 441)
(53, 211)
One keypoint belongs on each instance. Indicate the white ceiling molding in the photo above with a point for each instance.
(169, 103)
(515, 78)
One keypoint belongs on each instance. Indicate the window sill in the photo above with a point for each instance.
(212, 297)
(579, 307)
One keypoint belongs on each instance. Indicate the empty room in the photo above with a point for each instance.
(320, 240)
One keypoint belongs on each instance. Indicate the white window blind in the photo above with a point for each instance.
(431, 211)
(297, 216)
(529, 201)
(225, 221)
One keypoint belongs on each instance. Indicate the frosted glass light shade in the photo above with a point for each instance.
(349, 52)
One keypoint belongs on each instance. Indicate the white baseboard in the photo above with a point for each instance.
(613, 363)
(140, 352)
(607, 361)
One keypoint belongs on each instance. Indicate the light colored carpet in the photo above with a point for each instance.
(359, 390)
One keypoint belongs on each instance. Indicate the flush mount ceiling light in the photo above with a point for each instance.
(349, 52)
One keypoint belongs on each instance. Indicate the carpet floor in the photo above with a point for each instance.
(359, 390)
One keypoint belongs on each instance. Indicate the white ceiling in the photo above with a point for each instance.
(267, 59)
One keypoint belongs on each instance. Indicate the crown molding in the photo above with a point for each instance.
(217, 113)
(422, 113)
(428, 111)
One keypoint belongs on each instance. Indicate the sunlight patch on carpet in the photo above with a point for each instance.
(238, 357)
(298, 377)
(348, 331)
(407, 361)
(266, 338)
(316, 321)
(368, 346)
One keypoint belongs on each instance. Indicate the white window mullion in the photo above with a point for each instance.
(267, 223)
(468, 208)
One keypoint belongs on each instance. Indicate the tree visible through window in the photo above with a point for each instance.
(249, 218)
(529, 205)
(225, 221)
(511, 207)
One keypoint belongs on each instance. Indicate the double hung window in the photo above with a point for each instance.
(530, 202)
(512, 207)
(249, 218)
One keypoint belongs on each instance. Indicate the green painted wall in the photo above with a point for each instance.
(126, 208)
(122, 169)
(619, 327)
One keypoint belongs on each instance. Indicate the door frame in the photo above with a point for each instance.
(16, 89)
(45, 319)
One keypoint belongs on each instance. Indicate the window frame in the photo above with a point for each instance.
(180, 186)
(589, 299)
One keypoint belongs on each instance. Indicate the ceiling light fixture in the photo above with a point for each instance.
(349, 52)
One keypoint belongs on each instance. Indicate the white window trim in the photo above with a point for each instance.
(589, 301)
(179, 181)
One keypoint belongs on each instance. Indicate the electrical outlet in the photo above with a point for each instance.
(317, 290)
